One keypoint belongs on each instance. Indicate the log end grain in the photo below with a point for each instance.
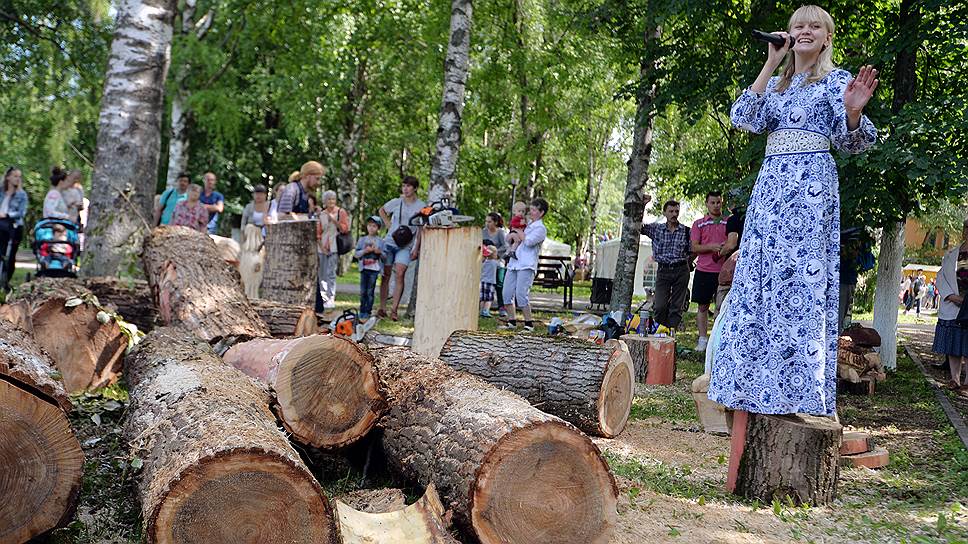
(41, 465)
(618, 387)
(544, 483)
(245, 496)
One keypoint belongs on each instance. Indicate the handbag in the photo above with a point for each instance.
(962, 318)
(344, 240)
(403, 235)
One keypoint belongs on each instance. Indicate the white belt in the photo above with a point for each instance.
(791, 140)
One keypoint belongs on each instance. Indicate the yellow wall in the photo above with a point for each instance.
(914, 235)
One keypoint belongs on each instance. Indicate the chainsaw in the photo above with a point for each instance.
(438, 214)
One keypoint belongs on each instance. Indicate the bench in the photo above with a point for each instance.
(554, 272)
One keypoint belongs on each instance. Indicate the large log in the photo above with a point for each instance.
(195, 289)
(291, 263)
(586, 384)
(509, 472)
(286, 319)
(327, 389)
(129, 298)
(216, 468)
(85, 343)
(420, 523)
(795, 456)
(41, 462)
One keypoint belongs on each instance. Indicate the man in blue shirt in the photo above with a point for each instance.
(213, 200)
(671, 251)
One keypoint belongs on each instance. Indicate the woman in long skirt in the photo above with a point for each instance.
(778, 352)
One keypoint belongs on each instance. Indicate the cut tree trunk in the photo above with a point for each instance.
(289, 272)
(327, 389)
(795, 456)
(41, 462)
(216, 466)
(639, 351)
(196, 289)
(889, 264)
(587, 385)
(509, 472)
(129, 298)
(420, 523)
(17, 313)
(285, 319)
(87, 352)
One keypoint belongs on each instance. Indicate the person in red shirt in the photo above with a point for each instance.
(708, 234)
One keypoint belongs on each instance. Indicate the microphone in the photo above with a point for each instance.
(774, 39)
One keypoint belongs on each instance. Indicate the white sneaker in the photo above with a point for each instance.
(507, 327)
(329, 304)
(701, 344)
(528, 328)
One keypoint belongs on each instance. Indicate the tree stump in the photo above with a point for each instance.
(129, 298)
(41, 462)
(327, 389)
(420, 523)
(286, 319)
(449, 276)
(216, 468)
(796, 456)
(586, 384)
(661, 366)
(196, 289)
(509, 472)
(87, 348)
(290, 267)
(639, 351)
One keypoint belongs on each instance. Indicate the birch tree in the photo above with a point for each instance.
(443, 170)
(129, 135)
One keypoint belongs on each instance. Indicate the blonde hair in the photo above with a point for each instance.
(519, 207)
(825, 62)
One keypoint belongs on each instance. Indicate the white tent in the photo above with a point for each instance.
(606, 259)
(555, 248)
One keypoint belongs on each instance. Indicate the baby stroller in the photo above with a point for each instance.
(56, 246)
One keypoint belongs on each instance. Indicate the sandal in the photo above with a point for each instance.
(381, 313)
(393, 316)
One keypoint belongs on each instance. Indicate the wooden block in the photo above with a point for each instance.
(879, 458)
(661, 365)
(855, 442)
(639, 350)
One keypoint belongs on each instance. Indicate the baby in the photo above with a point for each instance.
(518, 224)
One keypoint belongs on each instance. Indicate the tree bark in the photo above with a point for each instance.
(327, 391)
(443, 170)
(129, 136)
(216, 467)
(196, 289)
(795, 456)
(509, 472)
(290, 266)
(17, 313)
(885, 291)
(353, 110)
(286, 320)
(87, 352)
(639, 352)
(638, 176)
(420, 523)
(41, 462)
(587, 385)
(129, 298)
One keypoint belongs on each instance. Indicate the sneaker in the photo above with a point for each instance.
(507, 327)
(502, 314)
(701, 344)
(485, 313)
(528, 328)
(329, 304)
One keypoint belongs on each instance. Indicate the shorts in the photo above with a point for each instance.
(487, 292)
(704, 286)
(394, 255)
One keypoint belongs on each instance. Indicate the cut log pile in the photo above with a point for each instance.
(216, 466)
(41, 462)
(586, 384)
(509, 472)
(85, 342)
(286, 319)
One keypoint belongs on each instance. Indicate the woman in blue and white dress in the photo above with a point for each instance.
(778, 350)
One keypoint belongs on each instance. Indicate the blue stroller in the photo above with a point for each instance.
(56, 246)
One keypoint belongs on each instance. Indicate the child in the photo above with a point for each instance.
(518, 224)
(369, 251)
(59, 243)
(488, 279)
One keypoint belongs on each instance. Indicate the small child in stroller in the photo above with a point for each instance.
(56, 246)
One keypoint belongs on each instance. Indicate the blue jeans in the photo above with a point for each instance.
(367, 289)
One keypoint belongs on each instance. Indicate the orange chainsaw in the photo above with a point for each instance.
(439, 214)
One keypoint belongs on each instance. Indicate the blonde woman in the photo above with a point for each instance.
(778, 353)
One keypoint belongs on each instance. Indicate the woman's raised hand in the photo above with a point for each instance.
(774, 54)
(860, 89)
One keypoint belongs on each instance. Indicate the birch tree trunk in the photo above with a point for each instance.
(885, 293)
(456, 65)
(353, 110)
(638, 163)
(129, 135)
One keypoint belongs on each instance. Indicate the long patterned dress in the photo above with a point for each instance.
(778, 351)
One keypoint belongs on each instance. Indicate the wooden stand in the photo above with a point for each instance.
(661, 368)
(291, 263)
(639, 351)
(449, 293)
(795, 456)
(216, 466)
(586, 384)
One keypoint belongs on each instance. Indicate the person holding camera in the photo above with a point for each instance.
(402, 242)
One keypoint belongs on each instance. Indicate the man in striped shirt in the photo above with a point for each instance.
(670, 249)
